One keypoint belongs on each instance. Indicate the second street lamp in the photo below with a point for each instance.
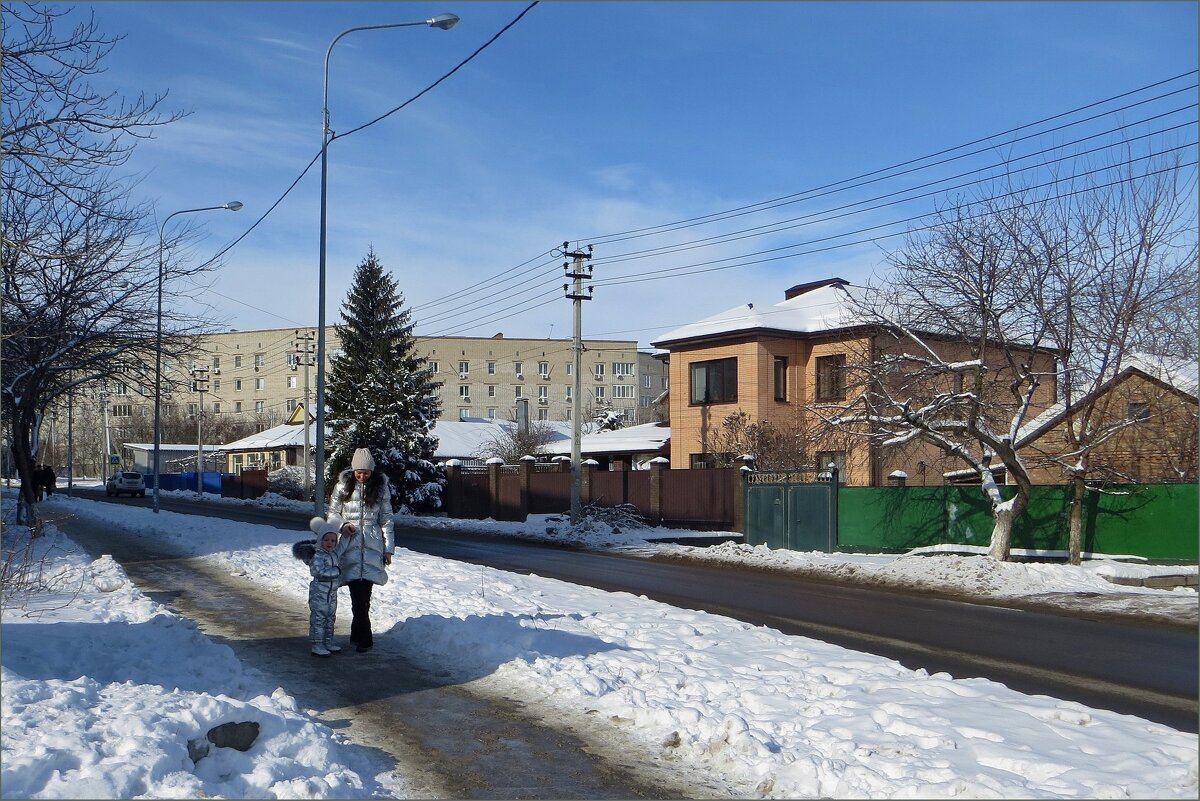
(156, 463)
(443, 22)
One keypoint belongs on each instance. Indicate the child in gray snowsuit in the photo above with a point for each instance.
(323, 589)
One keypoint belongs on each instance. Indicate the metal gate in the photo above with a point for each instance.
(794, 510)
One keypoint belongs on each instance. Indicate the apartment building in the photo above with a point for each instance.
(269, 372)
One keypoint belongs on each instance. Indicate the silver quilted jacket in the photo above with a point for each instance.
(322, 596)
(361, 555)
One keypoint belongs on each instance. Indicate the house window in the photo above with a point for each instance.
(543, 414)
(491, 390)
(464, 392)
(703, 461)
(463, 414)
(491, 413)
(122, 388)
(260, 361)
(216, 408)
(544, 369)
(518, 389)
(291, 382)
(623, 368)
(519, 368)
(237, 361)
(1138, 411)
(837, 459)
(543, 393)
(830, 370)
(276, 462)
(599, 394)
(216, 362)
(570, 368)
(600, 372)
(714, 381)
(237, 463)
(292, 360)
(464, 368)
(491, 368)
(193, 409)
(260, 384)
(622, 390)
(570, 393)
(237, 385)
(781, 364)
(216, 385)
(260, 407)
(122, 410)
(237, 407)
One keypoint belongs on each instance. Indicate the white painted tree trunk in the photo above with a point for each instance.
(1002, 533)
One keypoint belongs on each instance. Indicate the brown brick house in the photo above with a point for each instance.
(781, 363)
(1151, 413)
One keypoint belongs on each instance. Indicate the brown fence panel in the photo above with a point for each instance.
(549, 493)
(474, 496)
(699, 498)
(615, 487)
(254, 483)
(509, 506)
(249, 484)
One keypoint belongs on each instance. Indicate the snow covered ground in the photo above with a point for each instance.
(91, 710)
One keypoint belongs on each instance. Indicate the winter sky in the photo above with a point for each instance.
(92, 710)
(585, 120)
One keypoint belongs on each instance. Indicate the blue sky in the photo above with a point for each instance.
(585, 120)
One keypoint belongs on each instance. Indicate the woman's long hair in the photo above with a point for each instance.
(372, 490)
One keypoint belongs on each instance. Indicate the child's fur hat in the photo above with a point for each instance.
(321, 527)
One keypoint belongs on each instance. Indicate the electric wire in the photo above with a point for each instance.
(794, 222)
(429, 88)
(412, 99)
(1059, 147)
(609, 238)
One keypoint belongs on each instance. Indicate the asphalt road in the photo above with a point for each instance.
(1134, 668)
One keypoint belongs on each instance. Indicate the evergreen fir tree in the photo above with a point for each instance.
(380, 393)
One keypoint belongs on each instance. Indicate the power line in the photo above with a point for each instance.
(412, 99)
(847, 184)
(429, 88)
(609, 238)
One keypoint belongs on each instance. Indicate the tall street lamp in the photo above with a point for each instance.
(232, 205)
(445, 22)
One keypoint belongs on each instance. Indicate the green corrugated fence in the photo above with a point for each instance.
(1156, 521)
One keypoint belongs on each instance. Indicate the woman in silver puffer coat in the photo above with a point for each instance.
(361, 508)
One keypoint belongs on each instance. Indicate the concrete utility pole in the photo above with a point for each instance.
(200, 385)
(576, 294)
(70, 441)
(305, 356)
(103, 395)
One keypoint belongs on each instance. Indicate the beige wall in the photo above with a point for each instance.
(269, 383)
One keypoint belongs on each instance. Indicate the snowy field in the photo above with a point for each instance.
(90, 710)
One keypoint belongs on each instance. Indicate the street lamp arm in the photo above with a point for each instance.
(232, 205)
(443, 21)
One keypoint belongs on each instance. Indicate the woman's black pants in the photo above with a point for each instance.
(360, 611)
